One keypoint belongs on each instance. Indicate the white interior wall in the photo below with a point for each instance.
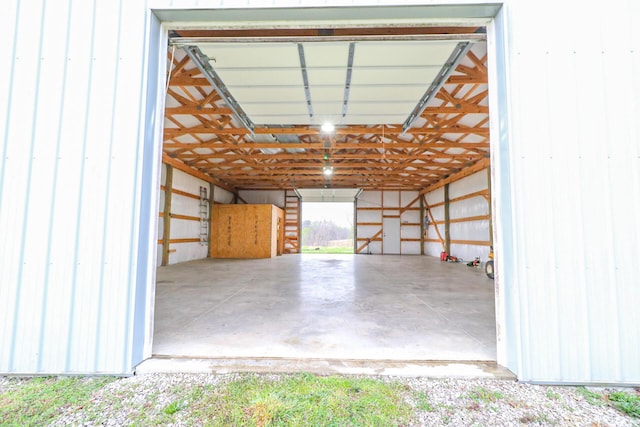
(388, 203)
(476, 230)
(409, 223)
(184, 205)
(369, 199)
(220, 195)
(437, 214)
(273, 197)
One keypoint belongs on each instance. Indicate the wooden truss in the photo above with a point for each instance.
(452, 134)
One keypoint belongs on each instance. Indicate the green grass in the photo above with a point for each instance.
(552, 395)
(590, 396)
(626, 402)
(484, 395)
(326, 250)
(174, 407)
(301, 400)
(39, 401)
(423, 403)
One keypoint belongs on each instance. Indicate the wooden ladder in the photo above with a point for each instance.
(291, 223)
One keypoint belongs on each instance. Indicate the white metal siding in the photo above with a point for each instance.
(70, 184)
(569, 234)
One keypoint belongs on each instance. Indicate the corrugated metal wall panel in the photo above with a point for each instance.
(574, 176)
(67, 202)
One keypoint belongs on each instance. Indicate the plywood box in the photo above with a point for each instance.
(246, 231)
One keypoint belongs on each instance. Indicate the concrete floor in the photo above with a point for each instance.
(325, 307)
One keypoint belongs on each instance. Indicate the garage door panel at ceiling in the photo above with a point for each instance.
(255, 55)
(293, 119)
(262, 95)
(320, 78)
(282, 107)
(403, 53)
(257, 73)
(261, 77)
(387, 74)
(323, 55)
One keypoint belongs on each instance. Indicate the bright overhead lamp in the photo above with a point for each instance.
(327, 170)
(327, 127)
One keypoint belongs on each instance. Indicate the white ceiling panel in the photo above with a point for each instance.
(280, 119)
(257, 55)
(294, 108)
(257, 77)
(404, 75)
(387, 80)
(326, 54)
(268, 93)
(328, 109)
(330, 76)
(327, 94)
(384, 93)
(397, 53)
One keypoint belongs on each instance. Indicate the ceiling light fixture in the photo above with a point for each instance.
(327, 170)
(328, 127)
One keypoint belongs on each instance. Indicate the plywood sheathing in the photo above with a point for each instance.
(245, 231)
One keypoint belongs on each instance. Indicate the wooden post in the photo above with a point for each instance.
(447, 234)
(490, 203)
(355, 226)
(212, 189)
(166, 219)
(422, 230)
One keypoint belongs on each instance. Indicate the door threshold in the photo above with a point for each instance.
(403, 368)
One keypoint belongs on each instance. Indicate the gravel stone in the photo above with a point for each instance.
(437, 402)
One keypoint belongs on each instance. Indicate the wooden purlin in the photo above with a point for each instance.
(291, 223)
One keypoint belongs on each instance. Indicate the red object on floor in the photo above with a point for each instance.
(443, 256)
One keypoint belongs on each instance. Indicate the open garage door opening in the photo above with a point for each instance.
(327, 220)
(409, 135)
(327, 227)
